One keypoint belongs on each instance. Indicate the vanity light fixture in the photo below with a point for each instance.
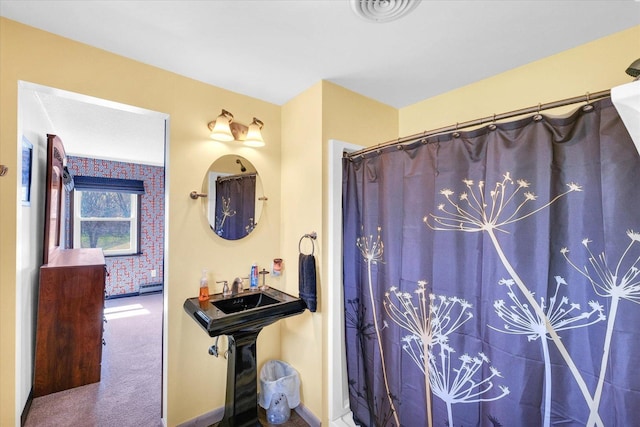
(254, 136)
(224, 129)
(221, 127)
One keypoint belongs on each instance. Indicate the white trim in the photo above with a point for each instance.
(166, 288)
(340, 414)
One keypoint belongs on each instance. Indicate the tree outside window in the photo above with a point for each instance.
(107, 220)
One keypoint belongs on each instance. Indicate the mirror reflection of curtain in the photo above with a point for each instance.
(494, 278)
(235, 206)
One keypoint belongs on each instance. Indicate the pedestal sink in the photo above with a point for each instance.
(241, 318)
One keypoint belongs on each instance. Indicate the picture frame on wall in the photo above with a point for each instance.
(27, 163)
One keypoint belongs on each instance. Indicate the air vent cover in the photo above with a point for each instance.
(382, 10)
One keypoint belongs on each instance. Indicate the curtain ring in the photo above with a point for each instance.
(538, 116)
(493, 126)
(588, 106)
(456, 134)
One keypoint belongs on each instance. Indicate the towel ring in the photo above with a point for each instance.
(312, 236)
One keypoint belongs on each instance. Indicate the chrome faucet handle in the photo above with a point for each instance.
(225, 287)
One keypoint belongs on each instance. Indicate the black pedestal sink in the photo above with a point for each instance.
(242, 317)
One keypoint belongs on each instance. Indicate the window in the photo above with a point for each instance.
(106, 214)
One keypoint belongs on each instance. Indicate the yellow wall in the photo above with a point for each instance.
(302, 214)
(323, 112)
(35, 56)
(592, 67)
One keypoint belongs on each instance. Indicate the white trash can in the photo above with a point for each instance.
(279, 390)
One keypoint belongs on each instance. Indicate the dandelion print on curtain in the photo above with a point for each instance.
(235, 205)
(492, 276)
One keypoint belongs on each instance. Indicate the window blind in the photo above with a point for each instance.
(97, 183)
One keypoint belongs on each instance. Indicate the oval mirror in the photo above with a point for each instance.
(234, 197)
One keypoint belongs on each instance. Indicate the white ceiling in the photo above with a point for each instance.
(275, 49)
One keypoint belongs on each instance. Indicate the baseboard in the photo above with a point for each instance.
(150, 288)
(128, 294)
(307, 415)
(205, 420)
(212, 417)
(27, 406)
(135, 294)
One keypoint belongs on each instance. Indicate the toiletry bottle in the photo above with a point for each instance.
(204, 287)
(253, 278)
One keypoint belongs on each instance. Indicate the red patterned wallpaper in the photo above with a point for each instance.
(127, 273)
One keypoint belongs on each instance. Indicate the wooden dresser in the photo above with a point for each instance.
(70, 320)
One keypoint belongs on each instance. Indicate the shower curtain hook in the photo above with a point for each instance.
(456, 134)
(493, 126)
(538, 116)
(588, 106)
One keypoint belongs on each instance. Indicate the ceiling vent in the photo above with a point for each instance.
(382, 10)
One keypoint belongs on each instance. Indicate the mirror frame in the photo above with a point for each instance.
(54, 198)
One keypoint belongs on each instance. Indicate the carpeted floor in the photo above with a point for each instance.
(129, 392)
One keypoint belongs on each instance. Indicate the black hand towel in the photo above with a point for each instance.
(307, 280)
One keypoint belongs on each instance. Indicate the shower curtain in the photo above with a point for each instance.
(235, 206)
(491, 277)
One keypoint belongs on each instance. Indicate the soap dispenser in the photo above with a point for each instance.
(203, 295)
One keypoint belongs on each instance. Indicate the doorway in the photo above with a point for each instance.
(90, 128)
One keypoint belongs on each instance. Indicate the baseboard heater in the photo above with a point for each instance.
(150, 287)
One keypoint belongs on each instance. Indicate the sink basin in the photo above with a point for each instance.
(244, 302)
(248, 311)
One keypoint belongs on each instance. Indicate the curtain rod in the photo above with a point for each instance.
(238, 176)
(477, 122)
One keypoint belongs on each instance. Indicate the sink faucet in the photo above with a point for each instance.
(236, 287)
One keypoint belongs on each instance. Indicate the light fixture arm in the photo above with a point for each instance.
(227, 115)
(195, 195)
(257, 122)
